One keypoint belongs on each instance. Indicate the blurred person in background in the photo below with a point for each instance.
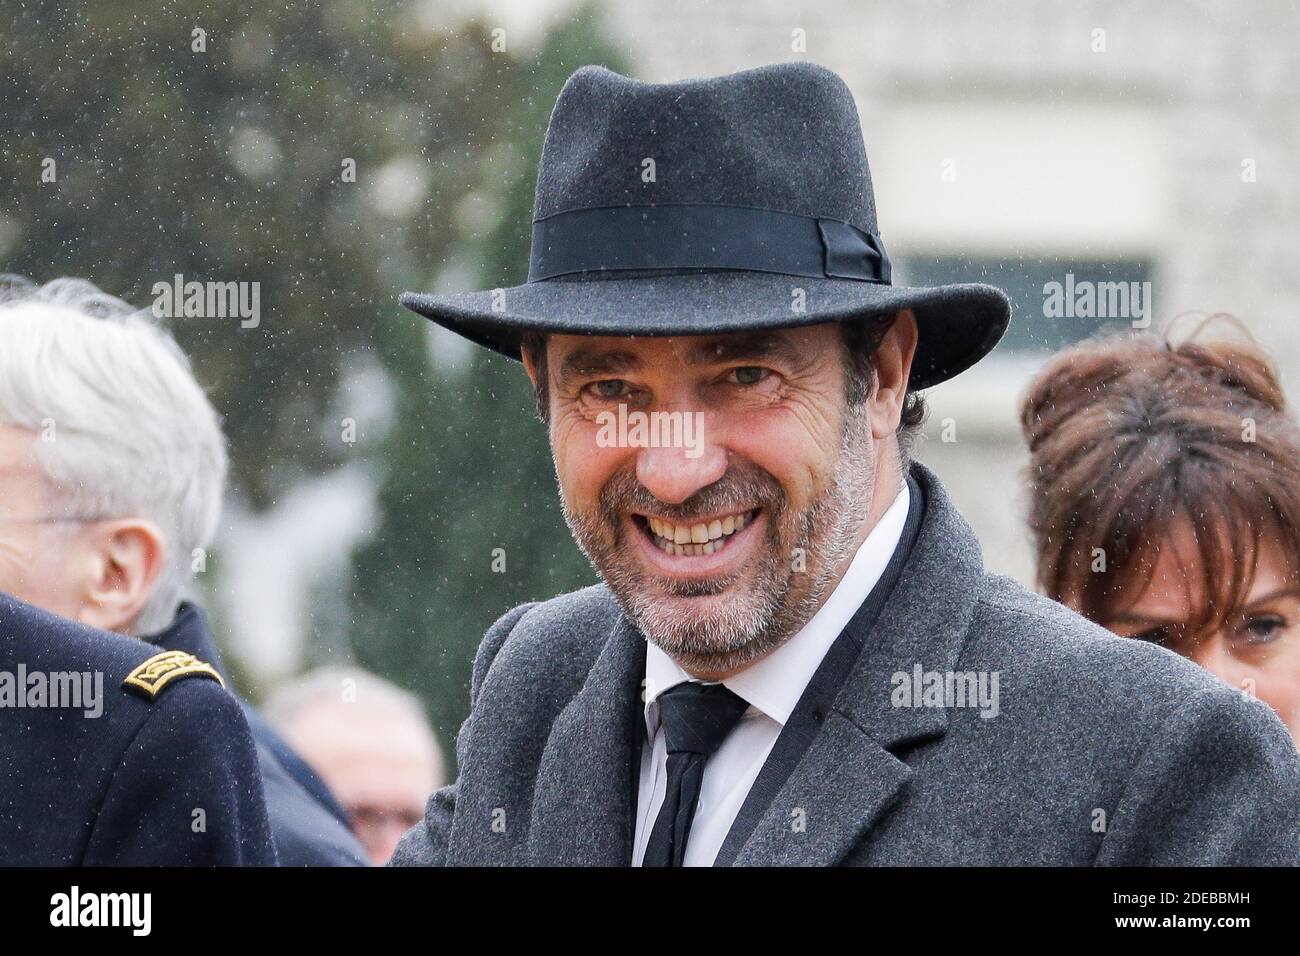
(371, 742)
(1165, 482)
(104, 428)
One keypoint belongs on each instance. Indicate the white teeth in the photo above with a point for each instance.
(697, 539)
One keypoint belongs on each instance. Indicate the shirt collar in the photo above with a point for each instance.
(775, 683)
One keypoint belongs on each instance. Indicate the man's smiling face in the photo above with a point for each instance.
(719, 549)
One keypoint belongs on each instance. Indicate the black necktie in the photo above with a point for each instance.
(696, 718)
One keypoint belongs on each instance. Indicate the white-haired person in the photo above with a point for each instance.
(113, 468)
(372, 743)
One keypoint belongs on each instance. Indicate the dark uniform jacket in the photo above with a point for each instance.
(1096, 749)
(309, 826)
(156, 768)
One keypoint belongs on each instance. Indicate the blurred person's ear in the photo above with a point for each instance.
(120, 562)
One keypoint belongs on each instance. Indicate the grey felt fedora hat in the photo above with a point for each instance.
(716, 205)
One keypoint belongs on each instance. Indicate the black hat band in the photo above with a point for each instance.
(704, 236)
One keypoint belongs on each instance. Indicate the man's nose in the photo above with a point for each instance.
(674, 474)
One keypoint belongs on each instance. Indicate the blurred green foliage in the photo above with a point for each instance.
(226, 164)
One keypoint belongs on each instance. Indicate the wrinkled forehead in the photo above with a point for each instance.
(583, 355)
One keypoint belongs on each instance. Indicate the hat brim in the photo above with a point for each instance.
(958, 324)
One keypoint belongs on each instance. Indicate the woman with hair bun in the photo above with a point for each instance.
(1165, 499)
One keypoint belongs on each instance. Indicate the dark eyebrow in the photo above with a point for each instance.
(1272, 596)
(583, 361)
(1143, 621)
(748, 345)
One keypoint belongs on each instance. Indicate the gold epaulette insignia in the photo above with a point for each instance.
(160, 670)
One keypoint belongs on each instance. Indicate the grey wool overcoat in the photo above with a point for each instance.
(1088, 749)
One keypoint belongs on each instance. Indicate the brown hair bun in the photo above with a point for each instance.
(1218, 354)
(1130, 433)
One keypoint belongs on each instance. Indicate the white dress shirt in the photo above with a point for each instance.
(771, 686)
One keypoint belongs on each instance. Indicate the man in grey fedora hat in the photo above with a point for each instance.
(795, 656)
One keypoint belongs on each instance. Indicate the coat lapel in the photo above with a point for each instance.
(583, 806)
(839, 788)
(853, 767)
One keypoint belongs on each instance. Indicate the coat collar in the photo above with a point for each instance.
(583, 803)
(851, 772)
(925, 620)
(189, 632)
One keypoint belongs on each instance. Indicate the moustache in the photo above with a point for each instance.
(740, 489)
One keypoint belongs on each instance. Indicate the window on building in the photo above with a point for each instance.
(1080, 297)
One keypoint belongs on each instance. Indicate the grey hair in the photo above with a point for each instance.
(336, 686)
(123, 429)
(329, 685)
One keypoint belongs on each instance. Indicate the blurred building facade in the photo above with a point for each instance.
(1020, 141)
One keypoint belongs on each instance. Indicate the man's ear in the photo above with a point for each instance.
(535, 365)
(529, 367)
(123, 560)
(893, 365)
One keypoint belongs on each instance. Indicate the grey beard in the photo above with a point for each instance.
(770, 610)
